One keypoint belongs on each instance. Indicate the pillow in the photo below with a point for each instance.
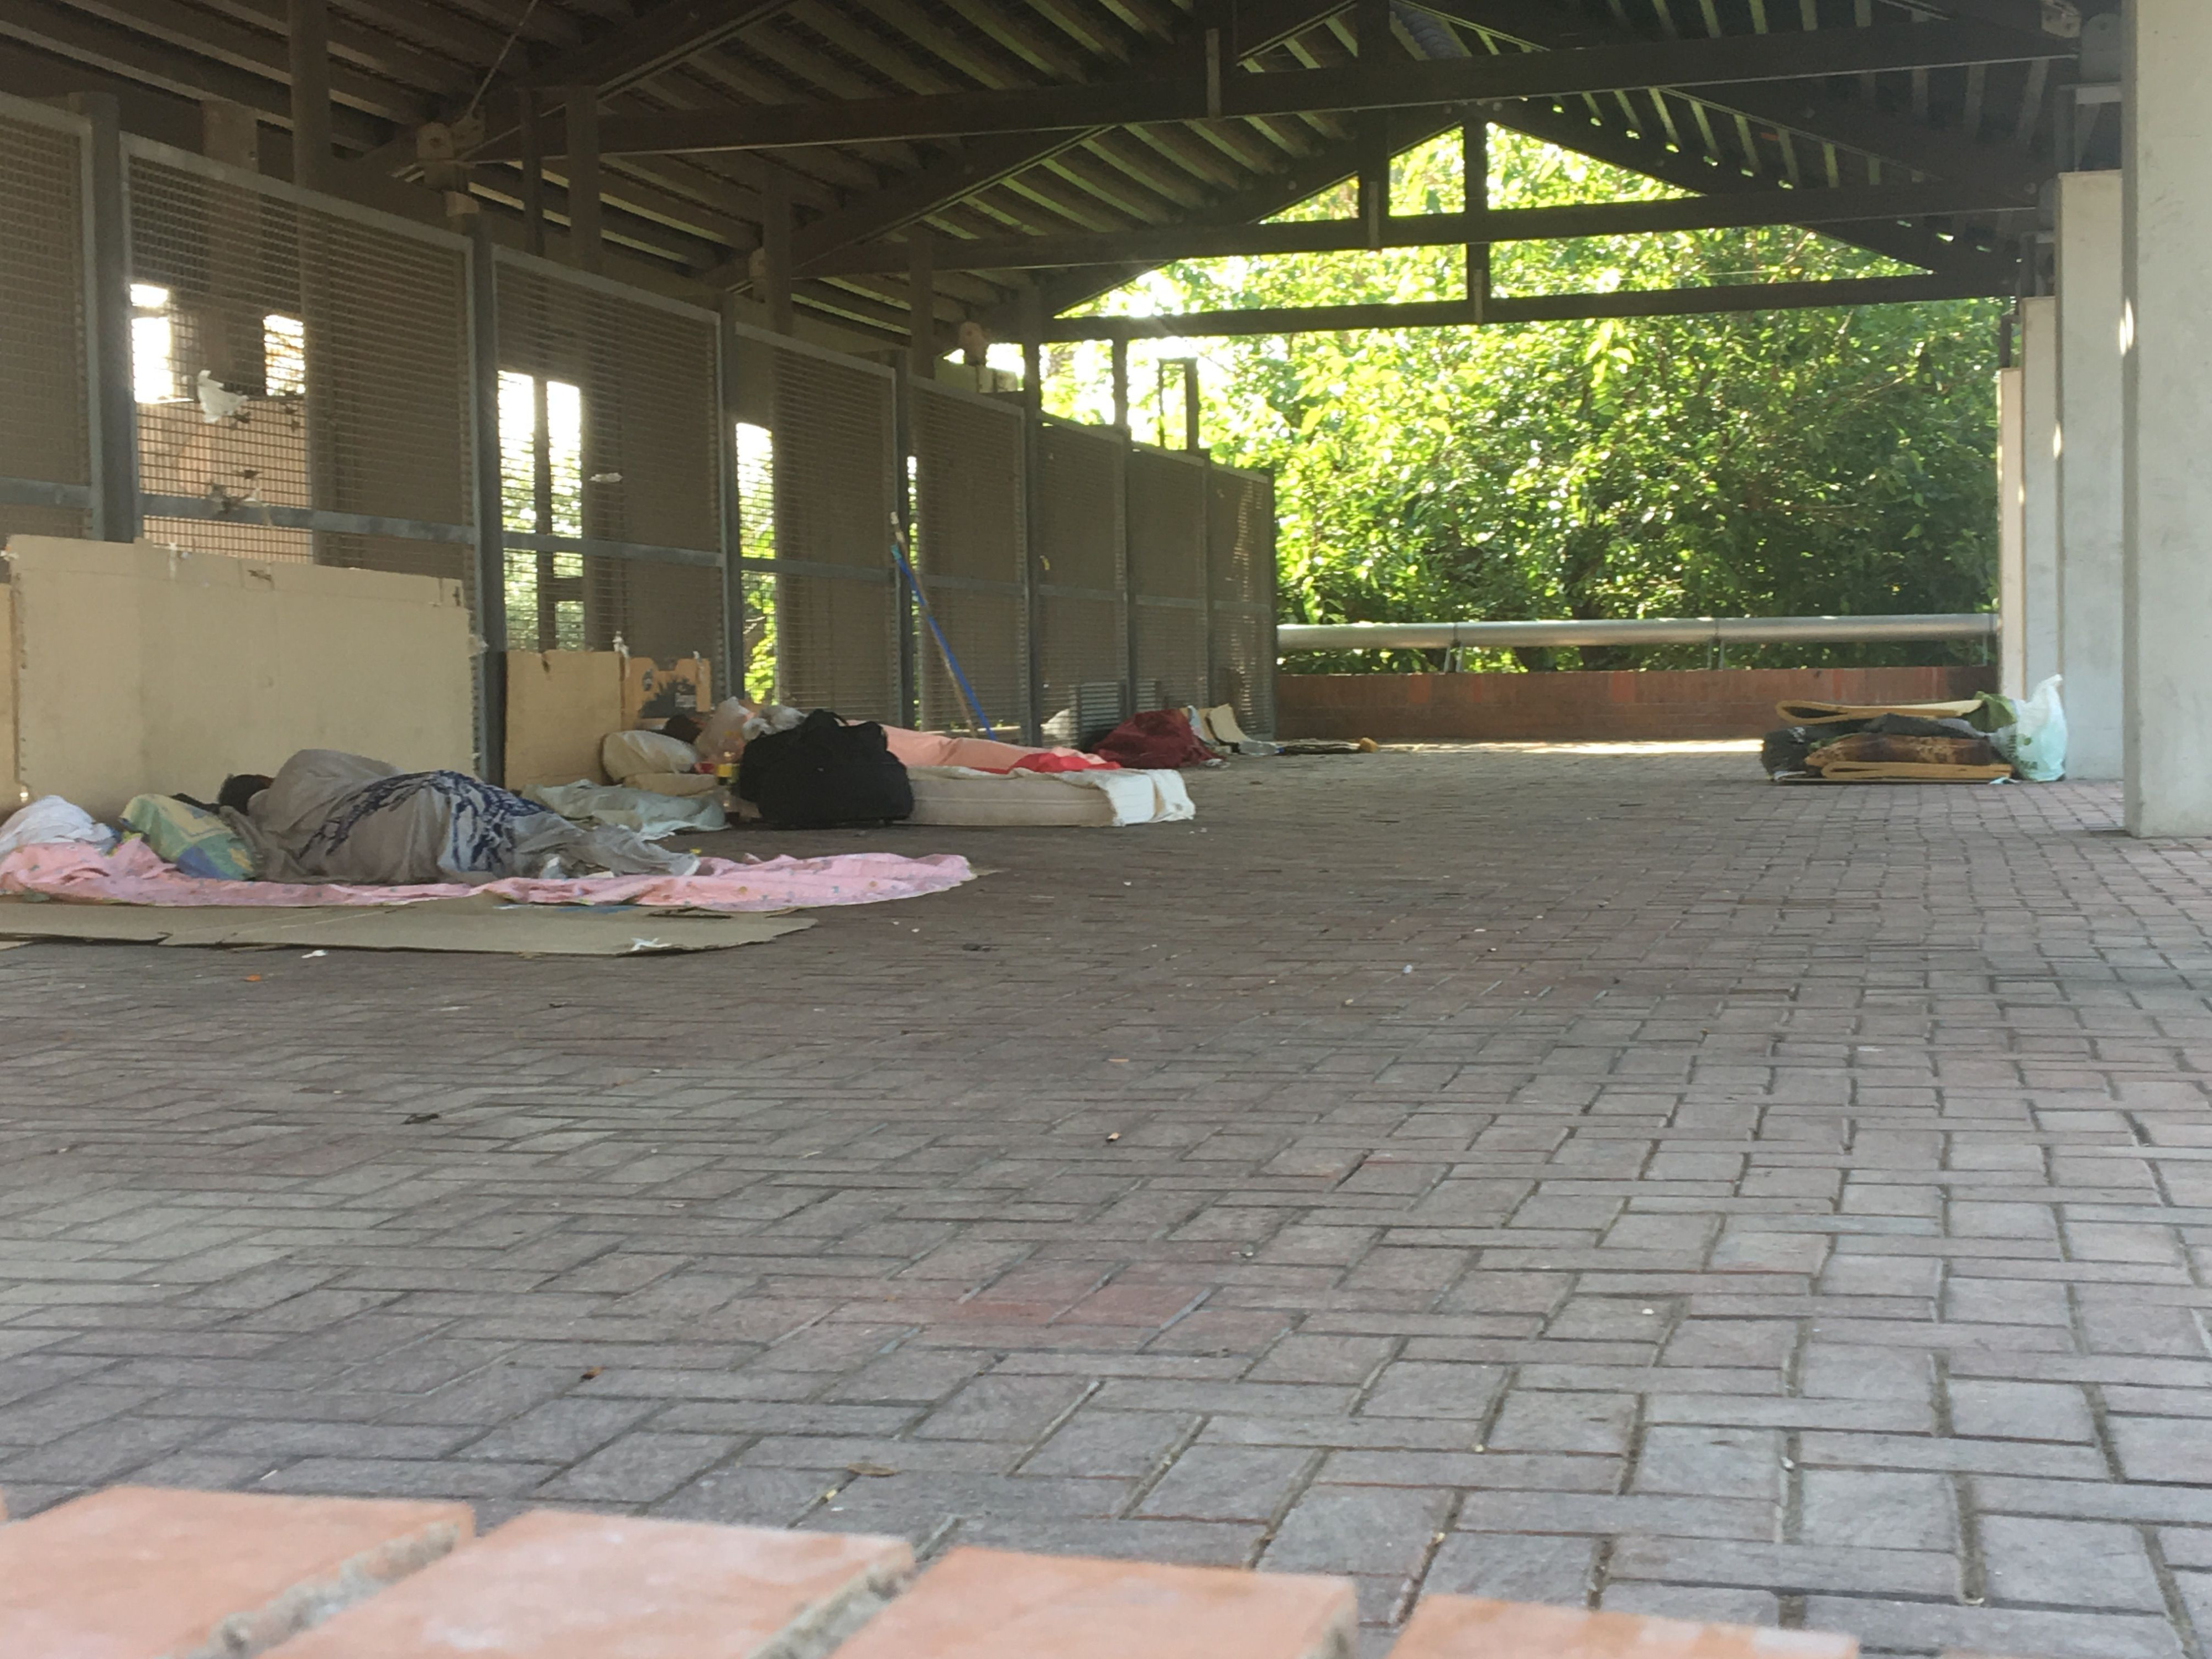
(627, 754)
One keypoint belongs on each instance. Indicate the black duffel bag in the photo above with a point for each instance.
(825, 772)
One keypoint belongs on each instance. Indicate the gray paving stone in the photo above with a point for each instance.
(2021, 1411)
(1715, 1123)
(1228, 1483)
(1510, 1567)
(2071, 1563)
(1878, 1510)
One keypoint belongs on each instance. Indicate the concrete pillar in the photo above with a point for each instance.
(2092, 472)
(2167, 337)
(2012, 536)
(2038, 400)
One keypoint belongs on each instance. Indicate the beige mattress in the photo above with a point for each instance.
(955, 795)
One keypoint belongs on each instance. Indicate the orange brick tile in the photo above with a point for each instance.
(553, 1585)
(136, 1572)
(1463, 1627)
(991, 1604)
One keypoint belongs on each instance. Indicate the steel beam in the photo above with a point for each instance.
(1544, 309)
(1159, 244)
(1385, 84)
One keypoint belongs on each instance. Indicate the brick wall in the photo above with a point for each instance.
(1627, 707)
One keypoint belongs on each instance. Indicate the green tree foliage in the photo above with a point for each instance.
(1778, 463)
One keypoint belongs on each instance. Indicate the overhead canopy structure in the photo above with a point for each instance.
(1012, 159)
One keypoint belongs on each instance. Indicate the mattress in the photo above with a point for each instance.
(959, 795)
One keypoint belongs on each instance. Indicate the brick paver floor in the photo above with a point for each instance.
(1559, 1174)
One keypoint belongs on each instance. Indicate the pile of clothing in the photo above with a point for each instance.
(332, 829)
(1983, 739)
(815, 770)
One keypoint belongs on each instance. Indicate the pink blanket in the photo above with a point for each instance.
(133, 874)
(939, 748)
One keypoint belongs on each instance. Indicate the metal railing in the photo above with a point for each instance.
(1713, 632)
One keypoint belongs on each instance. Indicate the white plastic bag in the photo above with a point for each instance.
(50, 818)
(2039, 741)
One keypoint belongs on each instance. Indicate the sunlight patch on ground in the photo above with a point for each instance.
(1700, 746)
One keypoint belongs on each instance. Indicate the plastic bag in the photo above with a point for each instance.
(2038, 746)
(50, 818)
(723, 738)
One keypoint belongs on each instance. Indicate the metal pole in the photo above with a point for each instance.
(1121, 383)
(733, 665)
(583, 163)
(1032, 313)
(1190, 435)
(909, 614)
(921, 302)
(309, 55)
(548, 620)
(1033, 350)
(1135, 702)
(490, 508)
(1474, 169)
(1209, 691)
(1371, 128)
(1032, 576)
(114, 407)
(776, 253)
(533, 172)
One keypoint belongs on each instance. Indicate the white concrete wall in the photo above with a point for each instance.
(2167, 376)
(2012, 538)
(140, 670)
(2039, 344)
(2091, 472)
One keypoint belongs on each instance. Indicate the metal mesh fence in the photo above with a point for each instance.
(816, 487)
(301, 373)
(609, 432)
(1083, 645)
(1167, 519)
(971, 556)
(1240, 556)
(45, 428)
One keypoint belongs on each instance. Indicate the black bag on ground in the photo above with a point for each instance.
(823, 773)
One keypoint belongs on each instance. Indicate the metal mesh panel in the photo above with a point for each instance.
(1167, 519)
(971, 553)
(1241, 553)
(287, 356)
(610, 430)
(44, 431)
(1167, 525)
(836, 634)
(1083, 648)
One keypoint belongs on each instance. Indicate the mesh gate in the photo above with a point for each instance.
(1167, 521)
(300, 368)
(971, 556)
(611, 430)
(46, 445)
(817, 475)
(1241, 556)
(1082, 644)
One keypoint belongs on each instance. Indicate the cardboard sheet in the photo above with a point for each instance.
(467, 925)
(1833, 713)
